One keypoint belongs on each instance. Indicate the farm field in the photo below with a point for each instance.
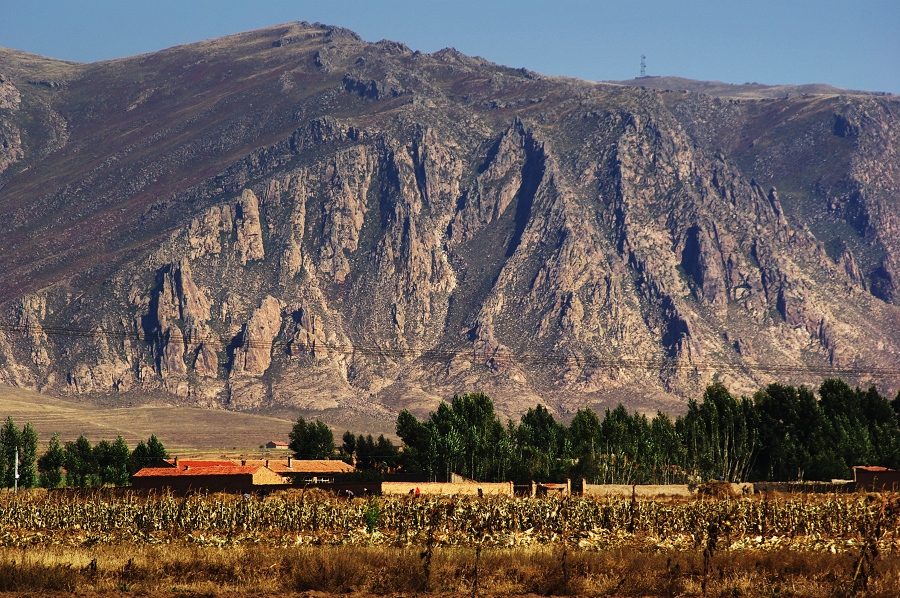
(181, 429)
(298, 541)
(187, 431)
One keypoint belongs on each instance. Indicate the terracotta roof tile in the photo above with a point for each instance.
(276, 465)
(201, 463)
(303, 465)
(321, 466)
(197, 471)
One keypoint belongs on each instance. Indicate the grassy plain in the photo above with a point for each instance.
(185, 430)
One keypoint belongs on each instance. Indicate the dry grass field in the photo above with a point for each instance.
(187, 570)
(185, 430)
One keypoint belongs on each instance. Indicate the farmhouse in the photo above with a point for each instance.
(217, 478)
(276, 444)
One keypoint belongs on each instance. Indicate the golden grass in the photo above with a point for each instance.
(19, 63)
(190, 570)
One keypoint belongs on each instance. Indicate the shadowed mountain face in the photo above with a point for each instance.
(294, 218)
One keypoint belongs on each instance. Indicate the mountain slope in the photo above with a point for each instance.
(294, 218)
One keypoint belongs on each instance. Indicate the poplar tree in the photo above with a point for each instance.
(50, 464)
(23, 443)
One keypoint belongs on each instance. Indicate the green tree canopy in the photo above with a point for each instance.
(140, 458)
(311, 440)
(50, 464)
(28, 475)
(861, 427)
(783, 434)
(112, 462)
(720, 435)
(464, 437)
(349, 444)
(9, 440)
(790, 433)
(365, 452)
(416, 438)
(80, 463)
(542, 446)
(24, 443)
(385, 453)
(146, 454)
(155, 449)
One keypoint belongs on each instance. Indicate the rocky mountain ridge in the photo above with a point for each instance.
(293, 218)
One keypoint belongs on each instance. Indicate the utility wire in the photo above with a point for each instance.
(438, 355)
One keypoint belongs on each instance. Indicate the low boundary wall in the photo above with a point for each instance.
(440, 488)
(806, 487)
(639, 491)
(653, 491)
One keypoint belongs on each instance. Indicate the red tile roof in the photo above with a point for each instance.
(303, 465)
(182, 463)
(276, 465)
(198, 471)
(320, 466)
(871, 468)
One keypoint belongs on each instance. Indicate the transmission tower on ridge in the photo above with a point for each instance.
(643, 66)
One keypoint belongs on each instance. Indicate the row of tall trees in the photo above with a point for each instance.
(781, 433)
(315, 440)
(77, 464)
(366, 453)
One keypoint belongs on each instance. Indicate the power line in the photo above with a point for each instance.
(441, 355)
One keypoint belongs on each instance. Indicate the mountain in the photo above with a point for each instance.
(293, 218)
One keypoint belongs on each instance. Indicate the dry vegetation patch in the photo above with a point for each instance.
(180, 569)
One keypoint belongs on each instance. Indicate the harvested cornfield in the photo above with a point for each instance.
(835, 524)
(299, 541)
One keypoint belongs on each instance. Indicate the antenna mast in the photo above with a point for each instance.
(643, 66)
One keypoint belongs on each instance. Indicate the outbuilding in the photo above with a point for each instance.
(876, 479)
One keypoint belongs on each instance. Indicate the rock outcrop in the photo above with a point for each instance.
(254, 354)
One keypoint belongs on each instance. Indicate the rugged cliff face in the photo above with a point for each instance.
(294, 218)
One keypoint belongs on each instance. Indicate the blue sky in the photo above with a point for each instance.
(852, 44)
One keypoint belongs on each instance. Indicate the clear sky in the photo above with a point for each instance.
(849, 43)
